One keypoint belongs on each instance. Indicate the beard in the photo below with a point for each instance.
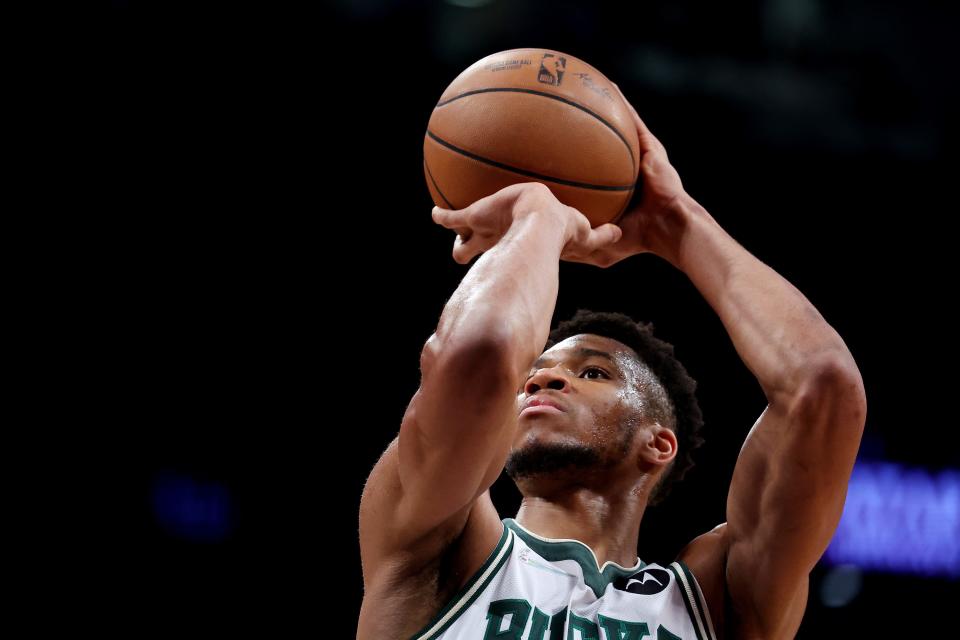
(544, 458)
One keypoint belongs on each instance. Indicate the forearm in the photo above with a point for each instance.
(509, 293)
(777, 332)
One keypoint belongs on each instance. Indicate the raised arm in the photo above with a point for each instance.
(458, 427)
(790, 479)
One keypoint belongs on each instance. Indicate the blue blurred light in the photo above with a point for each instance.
(900, 520)
(190, 510)
(841, 585)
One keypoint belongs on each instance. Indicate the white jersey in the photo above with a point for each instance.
(536, 588)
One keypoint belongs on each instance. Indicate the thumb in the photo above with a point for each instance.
(451, 219)
(603, 236)
(608, 234)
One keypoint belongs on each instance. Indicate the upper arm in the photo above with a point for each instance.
(787, 493)
(453, 441)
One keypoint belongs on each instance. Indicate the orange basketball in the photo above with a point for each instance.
(533, 115)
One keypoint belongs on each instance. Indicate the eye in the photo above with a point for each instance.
(596, 369)
(586, 371)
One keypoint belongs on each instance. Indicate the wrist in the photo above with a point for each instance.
(666, 230)
(548, 223)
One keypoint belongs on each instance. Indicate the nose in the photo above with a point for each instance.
(545, 378)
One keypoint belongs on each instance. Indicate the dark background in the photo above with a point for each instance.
(279, 272)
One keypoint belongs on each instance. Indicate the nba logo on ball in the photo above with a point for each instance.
(551, 69)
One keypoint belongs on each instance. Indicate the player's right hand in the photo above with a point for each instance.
(481, 225)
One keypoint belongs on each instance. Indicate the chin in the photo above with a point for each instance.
(549, 454)
(541, 432)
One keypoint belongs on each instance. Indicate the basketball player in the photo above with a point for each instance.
(593, 430)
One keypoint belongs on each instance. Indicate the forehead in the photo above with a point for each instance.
(574, 345)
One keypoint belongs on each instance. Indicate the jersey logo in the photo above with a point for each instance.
(646, 582)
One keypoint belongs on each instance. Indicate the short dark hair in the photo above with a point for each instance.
(671, 394)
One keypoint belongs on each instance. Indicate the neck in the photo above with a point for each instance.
(609, 526)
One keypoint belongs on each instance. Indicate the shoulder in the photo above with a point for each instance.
(706, 558)
(409, 587)
(388, 552)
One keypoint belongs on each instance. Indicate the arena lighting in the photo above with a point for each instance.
(900, 520)
(188, 509)
(841, 585)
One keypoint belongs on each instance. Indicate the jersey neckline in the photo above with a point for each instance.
(554, 549)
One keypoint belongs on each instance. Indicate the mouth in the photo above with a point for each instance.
(539, 409)
(541, 404)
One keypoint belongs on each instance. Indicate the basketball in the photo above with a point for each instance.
(533, 115)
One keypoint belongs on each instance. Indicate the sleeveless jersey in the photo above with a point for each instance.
(536, 588)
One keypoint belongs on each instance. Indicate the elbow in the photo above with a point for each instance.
(841, 374)
(483, 359)
(833, 386)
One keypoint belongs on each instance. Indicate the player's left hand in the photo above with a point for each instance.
(662, 190)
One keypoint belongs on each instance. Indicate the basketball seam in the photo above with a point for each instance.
(524, 172)
(435, 186)
(633, 162)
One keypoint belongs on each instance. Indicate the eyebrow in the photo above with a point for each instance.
(582, 353)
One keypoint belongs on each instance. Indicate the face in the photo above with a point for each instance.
(578, 409)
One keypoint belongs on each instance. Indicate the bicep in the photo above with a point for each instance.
(787, 493)
(452, 444)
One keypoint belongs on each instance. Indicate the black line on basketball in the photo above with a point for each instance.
(523, 172)
(622, 210)
(633, 163)
(434, 182)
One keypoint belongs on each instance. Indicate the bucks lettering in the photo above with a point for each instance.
(545, 627)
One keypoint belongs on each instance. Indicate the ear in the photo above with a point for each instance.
(659, 446)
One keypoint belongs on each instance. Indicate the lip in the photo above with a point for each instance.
(543, 402)
(540, 408)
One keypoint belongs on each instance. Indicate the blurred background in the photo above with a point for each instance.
(279, 273)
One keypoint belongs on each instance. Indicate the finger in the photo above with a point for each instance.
(449, 218)
(648, 141)
(603, 236)
(462, 250)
